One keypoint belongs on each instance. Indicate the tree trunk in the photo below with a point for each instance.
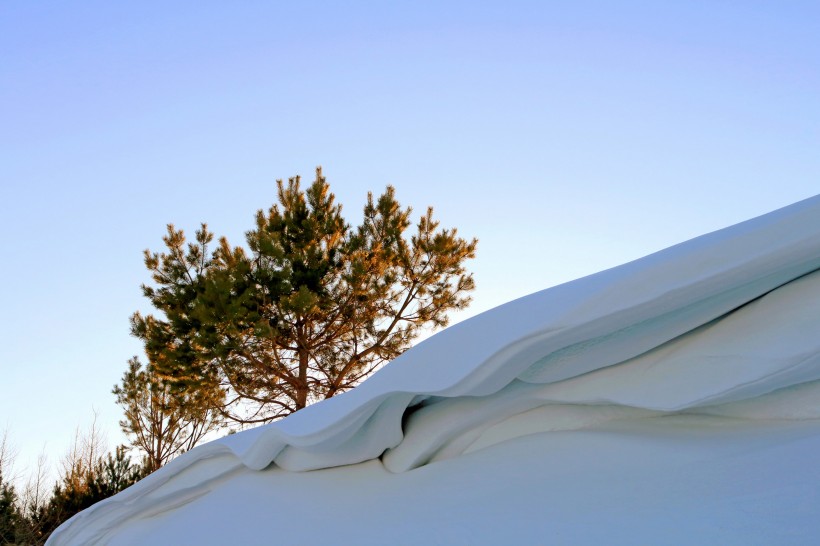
(302, 389)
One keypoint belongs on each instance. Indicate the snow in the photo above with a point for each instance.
(674, 399)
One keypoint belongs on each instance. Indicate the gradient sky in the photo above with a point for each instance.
(568, 137)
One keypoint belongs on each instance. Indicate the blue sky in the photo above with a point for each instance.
(568, 137)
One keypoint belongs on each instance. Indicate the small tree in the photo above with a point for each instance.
(88, 476)
(11, 519)
(71, 492)
(114, 473)
(34, 506)
(162, 423)
(309, 310)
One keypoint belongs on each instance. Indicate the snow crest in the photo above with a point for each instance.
(722, 325)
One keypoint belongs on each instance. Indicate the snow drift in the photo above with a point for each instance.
(674, 399)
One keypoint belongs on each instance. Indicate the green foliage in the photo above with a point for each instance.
(87, 478)
(160, 422)
(11, 519)
(310, 309)
(11, 516)
(82, 486)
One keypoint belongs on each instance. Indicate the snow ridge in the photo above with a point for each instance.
(721, 325)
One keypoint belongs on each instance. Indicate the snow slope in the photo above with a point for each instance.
(674, 399)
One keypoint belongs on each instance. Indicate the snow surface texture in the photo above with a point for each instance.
(671, 400)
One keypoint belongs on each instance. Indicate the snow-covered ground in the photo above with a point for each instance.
(671, 400)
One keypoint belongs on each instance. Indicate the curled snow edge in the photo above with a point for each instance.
(681, 330)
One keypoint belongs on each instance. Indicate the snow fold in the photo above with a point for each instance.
(724, 324)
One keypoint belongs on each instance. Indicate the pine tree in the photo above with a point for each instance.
(162, 423)
(310, 309)
(88, 478)
(11, 519)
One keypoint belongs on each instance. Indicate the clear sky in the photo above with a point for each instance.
(568, 137)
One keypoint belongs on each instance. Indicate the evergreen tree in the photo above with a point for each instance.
(159, 422)
(113, 474)
(11, 520)
(82, 486)
(309, 310)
